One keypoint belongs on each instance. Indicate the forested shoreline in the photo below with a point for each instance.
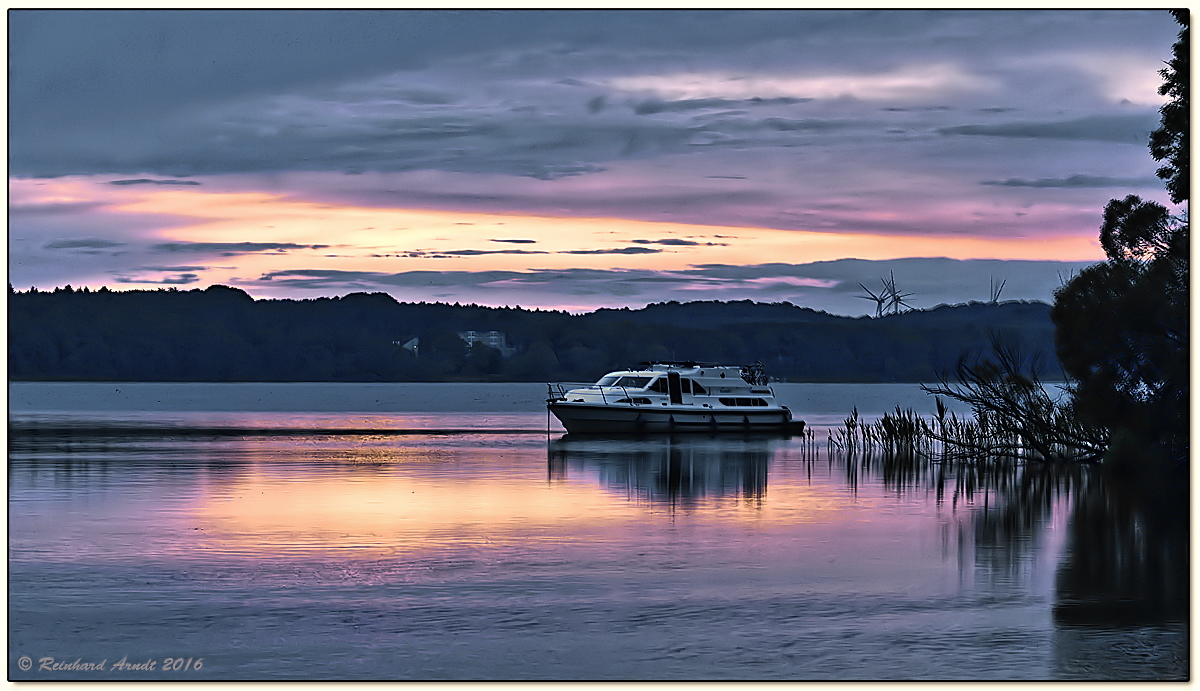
(223, 334)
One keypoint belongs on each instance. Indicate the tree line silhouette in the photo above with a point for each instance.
(223, 334)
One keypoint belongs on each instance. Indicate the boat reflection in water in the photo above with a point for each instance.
(682, 470)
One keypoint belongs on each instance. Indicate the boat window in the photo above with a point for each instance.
(633, 382)
(743, 401)
(659, 385)
(607, 380)
(635, 401)
(697, 389)
(685, 385)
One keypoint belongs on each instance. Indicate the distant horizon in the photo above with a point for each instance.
(528, 308)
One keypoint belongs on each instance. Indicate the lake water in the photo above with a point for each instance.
(447, 531)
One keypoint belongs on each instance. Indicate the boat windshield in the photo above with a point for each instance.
(626, 382)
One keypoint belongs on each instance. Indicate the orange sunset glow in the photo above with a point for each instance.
(385, 239)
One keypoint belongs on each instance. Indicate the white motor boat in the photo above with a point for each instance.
(673, 397)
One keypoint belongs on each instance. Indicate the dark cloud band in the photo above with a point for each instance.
(82, 244)
(231, 248)
(1077, 181)
(1125, 129)
(147, 181)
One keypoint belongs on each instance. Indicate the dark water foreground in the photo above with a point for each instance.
(300, 546)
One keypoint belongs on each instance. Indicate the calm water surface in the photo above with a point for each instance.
(442, 531)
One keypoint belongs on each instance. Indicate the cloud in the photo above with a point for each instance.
(148, 181)
(932, 280)
(1090, 181)
(904, 81)
(82, 244)
(322, 278)
(172, 268)
(475, 253)
(229, 249)
(895, 122)
(667, 241)
(830, 286)
(1125, 129)
(624, 193)
(619, 250)
(680, 242)
(510, 93)
(655, 105)
(444, 254)
(180, 279)
(53, 208)
(516, 241)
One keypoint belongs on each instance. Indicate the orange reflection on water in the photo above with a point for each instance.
(375, 508)
(375, 497)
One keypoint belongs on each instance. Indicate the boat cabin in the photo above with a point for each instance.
(678, 383)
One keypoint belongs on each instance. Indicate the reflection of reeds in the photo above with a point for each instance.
(946, 453)
(1127, 560)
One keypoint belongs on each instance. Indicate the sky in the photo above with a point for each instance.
(577, 159)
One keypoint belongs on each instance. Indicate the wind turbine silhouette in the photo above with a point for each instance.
(889, 300)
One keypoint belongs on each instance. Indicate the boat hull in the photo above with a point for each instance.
(585, 418)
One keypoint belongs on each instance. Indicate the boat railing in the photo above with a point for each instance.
(557, 391)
